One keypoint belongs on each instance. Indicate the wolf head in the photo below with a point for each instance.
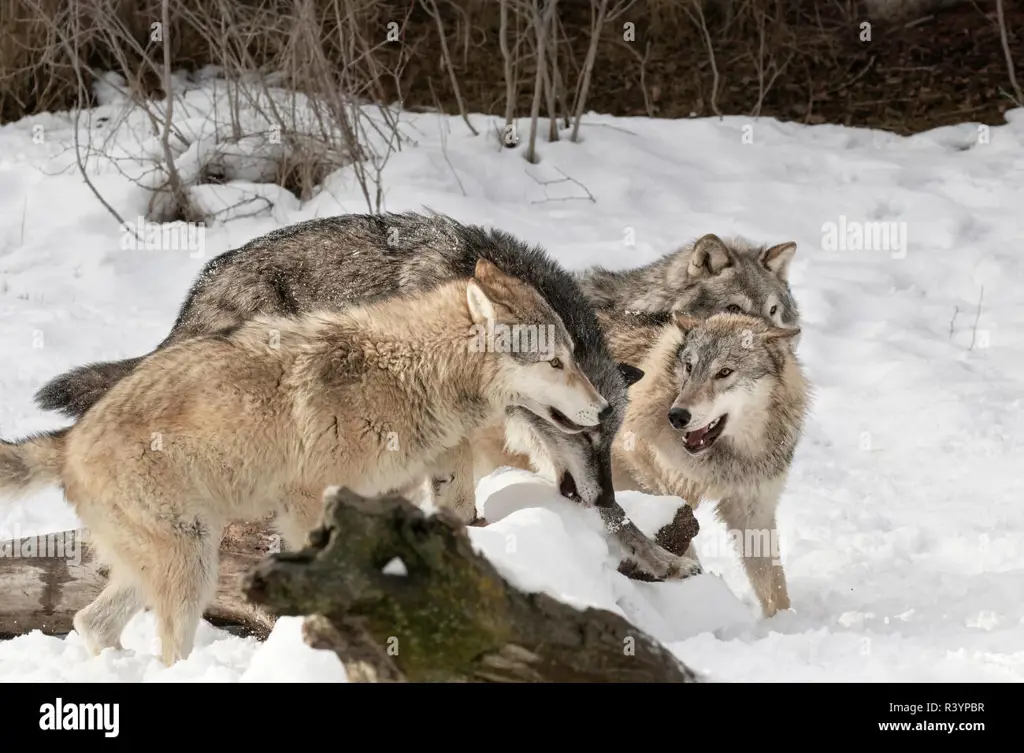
(580, 463)
(536, 361)
(734, 277)
(726, 366)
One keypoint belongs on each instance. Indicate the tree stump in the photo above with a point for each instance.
(402, 596)
(48, 578)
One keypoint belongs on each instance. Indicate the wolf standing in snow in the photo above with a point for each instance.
(357, 258)
(708, 277)
(717, 415)
(263, 417)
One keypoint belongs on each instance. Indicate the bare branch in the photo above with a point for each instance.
(432, 9)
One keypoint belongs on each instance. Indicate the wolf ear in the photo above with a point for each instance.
(777, 258)
(631, 374)
(486, 271)
(685, 323)
(709, 257)
(780, 333)
(481, 308)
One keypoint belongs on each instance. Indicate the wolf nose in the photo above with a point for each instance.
(679, 418)
(606, 413)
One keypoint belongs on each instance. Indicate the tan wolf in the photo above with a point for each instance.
(717, 415)
(262, 417)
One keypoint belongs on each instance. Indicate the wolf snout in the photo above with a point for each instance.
(679, 418)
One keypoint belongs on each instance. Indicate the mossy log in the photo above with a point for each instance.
(46, 579)
(402, 596)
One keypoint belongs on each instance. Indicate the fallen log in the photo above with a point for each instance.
(402, 596)
(46, 579)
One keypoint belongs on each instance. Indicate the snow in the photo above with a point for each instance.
(902, 533)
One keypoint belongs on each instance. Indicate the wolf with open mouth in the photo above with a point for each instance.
(717, 415)
(357, 259)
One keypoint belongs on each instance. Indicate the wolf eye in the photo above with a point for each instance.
(689, 367)
(734, 309)
(772, 312)
(723, 373)
(556, 363)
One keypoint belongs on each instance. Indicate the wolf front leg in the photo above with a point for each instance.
(751, 521)
(645, 559)
(452, 483)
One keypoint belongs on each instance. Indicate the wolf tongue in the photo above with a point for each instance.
(695, 437)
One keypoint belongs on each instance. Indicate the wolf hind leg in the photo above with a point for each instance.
(101, 623)
(300, 513)
(175, 566)
(180, 594)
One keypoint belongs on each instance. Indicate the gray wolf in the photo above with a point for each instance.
(717, 415)
(709, 276)
(262, 417)
(363, 258)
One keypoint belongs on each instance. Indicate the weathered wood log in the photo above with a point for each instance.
(402, 596)
(46, 579)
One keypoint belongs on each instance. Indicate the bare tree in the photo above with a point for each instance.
(1006, 51)
(510, 79)
(541, 23)
(596, 26)
(174, 183)
(550, 72)
(588, 66)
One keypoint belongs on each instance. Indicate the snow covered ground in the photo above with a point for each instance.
(902, 529)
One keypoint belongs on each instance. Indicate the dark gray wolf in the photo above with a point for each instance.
(362, 258)
(709, 276)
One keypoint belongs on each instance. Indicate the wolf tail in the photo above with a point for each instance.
(32, 463)
(74, 392)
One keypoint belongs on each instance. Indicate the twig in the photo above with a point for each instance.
(433, 11)
(565, 178)
(703, 26)
(444, 140)
(952, 322)
(977, 316)
(24, 211)
(643, 73)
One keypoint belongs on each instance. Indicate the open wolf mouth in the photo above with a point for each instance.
(567, 487)
(699, 440)
(564, 422)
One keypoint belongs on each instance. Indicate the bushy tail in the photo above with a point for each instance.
(32, 463)
(78, 390)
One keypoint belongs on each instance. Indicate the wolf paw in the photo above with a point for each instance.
(96, 640)
(684, 567)
(661, 566)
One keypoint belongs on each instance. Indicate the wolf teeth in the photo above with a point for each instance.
(714, 423)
